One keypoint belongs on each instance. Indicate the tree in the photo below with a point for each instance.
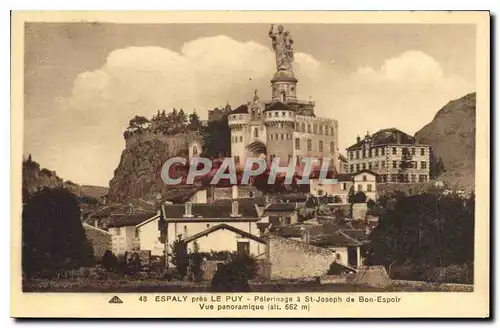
(436, 166)
(180, 256)
(406, 163)
(426, 231)
(194, 122)
(138, 124)
(53, 238)
(109, 261)
(217, 139)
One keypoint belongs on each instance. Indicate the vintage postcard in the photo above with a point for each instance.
(250, 164)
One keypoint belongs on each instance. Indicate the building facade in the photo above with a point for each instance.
(395, 156)
(286, 125)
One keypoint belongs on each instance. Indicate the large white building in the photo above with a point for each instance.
(384, 151)
(286, 125)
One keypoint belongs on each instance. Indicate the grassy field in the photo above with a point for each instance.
(163, 286)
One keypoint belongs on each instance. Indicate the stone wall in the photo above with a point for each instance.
(359, 211)
(292, 259)
(100, 240)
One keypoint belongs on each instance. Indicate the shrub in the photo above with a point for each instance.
(109, 261)
(234, 276)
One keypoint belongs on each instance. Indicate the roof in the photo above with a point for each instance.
(130, 219)
(223, 226)
(277, 106)
(384, 137)
(365, 171)
(339, 238)
(281, 207)
(290, 231)
(343, 177)
(342, 158)
(242, 109)
(211, 211)
(259, 201)
(358, 234)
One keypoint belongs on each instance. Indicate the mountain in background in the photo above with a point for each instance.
(452, 136)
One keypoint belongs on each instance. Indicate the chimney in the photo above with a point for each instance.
(96, 223)
(235, 192)
(187, 209)
(234, 208)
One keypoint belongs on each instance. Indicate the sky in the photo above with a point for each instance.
(85, 81)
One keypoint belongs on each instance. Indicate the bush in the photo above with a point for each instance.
(109, 261)
(234, 276)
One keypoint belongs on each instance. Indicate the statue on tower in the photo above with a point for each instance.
(282, 46)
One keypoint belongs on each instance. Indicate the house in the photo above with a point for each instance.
(383, 153)
(223, 226)
(124, 234)
(364, 180)
(282, 214)
(344, 243)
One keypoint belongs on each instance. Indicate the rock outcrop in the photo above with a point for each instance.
(138, 175)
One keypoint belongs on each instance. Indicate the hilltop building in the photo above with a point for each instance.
(286, 125)
(384, 151)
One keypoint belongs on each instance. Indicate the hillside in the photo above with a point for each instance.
(452, 135)
(35, 178)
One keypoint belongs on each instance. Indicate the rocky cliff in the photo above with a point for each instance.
(138, 173)
(452, 135)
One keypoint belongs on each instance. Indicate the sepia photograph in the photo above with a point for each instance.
(252, 165)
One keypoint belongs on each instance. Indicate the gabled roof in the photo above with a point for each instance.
(386, 137)
(223, 226)
(130, 219)
(365, 171)
(339, 239)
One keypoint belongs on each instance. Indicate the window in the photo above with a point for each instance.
(208, 225)
(422, 151)
(364, 166)
(344, 186)
(237, 159)
(394, 150)
(364, 153)
(382, 150)
(357, 167)
(320, 129)
(394, 178)
(370, 166)
(271, 136)
(275, 114)
(351, 155)
(376, 151)
(382, 164)
(364, 177)
(277, 137)
(376, 165)
(337, 256)
(360, 187)
(136, 233)
(423, 165)
(297, 143)
(315, 128)
(320, 192)
(369, 187)
(332, 147)
(308, 128)
(309, 144)
(250, 194)
(303, 127)
(326, 130)
(370, 153)
(413, 151)
(422, 178)
(352, 168)
(320, 145)
(243, 247)
(283, 114)
(331, 130)
(256, 133)
(413, 178)
(282, 136)
(118, 231)
(241, 138)
(357, 154)
(394, 164)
